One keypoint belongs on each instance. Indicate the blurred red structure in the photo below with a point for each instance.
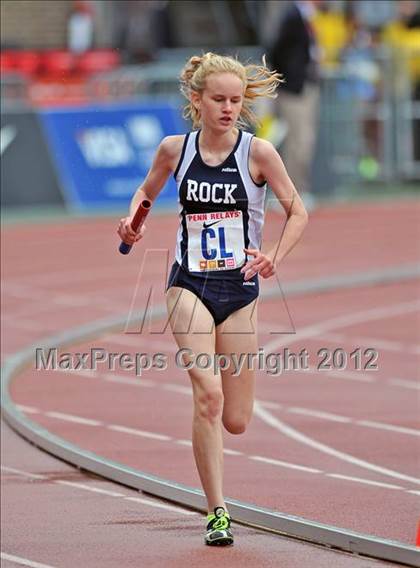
(98, 61)
(57, 77)
(59, 62)
(25, 62)
(7, 62)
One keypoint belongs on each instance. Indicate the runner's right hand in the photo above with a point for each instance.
(127, 234)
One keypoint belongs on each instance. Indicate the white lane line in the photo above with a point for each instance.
(340, 375)
(149, 383)
(347, 420)
(92, 489)
(334, 374)
(135, 432)
(384, 344)
(188, 443)
(56, 278)
(185, 390)
(285, 464)
(89, 373)
(232, 452)
(124, 339)
(265, 404)
(184, 443)
(365, 481)
(138, 340)
(177, 388)
(404, 383)
(318, 329)
(365, 341)
(318, 414)
(72, 418)
(133, 381)
(20, 472)
(34, 311)
(27, 409)
(98, 490)
(275, 423)
(161, 505)
(413, 491)
(390, 427)
(23, 561)
(350, 375)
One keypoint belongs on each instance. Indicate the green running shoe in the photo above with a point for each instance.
(218, 528)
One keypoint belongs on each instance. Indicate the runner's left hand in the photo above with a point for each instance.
(261, 264)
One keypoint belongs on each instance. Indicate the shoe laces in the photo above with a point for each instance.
(220, 523)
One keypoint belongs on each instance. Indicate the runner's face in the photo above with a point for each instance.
(221, 101)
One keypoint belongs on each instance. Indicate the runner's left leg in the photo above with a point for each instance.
(238, 334)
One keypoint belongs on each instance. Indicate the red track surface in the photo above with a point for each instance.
(89, 529)
(58, 277)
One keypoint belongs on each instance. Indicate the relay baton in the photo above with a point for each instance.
(138, 220)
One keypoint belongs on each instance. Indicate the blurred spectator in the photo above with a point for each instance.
(80, 27)
(295, 54)
(403, 38)
(361, 88)
(332, 32)
(142, 28)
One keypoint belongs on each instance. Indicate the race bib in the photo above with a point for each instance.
(215, 241)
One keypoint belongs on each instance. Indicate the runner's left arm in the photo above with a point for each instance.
(272, 169)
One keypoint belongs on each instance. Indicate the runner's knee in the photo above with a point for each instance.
(236, 425)
(209, 404)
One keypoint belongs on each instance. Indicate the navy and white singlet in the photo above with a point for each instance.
(221, 211)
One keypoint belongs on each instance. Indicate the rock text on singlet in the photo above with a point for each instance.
(206, 192)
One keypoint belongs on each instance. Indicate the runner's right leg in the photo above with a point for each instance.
(193, 328)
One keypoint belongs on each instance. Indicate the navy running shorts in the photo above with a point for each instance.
(221, 297)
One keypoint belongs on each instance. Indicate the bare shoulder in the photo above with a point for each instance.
(262, 156)
(171, 148)
(261, 149)
(171, 144)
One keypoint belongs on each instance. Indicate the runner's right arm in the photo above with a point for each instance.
(163, 164)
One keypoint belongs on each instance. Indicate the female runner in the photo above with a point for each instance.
(221, 173)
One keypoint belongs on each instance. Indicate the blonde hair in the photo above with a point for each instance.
(258, 81)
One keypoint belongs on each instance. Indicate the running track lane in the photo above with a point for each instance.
(60, 291)
(322, 446)
(89, 522)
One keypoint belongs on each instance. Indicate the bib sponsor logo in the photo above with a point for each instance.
(205, 192)
(229, 170)
(220, 265)
(207, 225)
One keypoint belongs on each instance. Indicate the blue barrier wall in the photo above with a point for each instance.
(102, 153)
